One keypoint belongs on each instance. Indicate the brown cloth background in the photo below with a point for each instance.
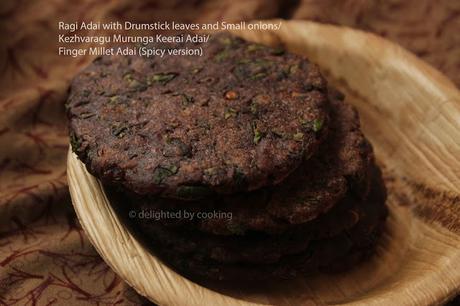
(45, 257)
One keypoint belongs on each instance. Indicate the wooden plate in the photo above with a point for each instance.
(411, 114)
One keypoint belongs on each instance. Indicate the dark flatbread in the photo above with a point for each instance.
(328, 254)
(258, 248)
(240, 117)
(252, 246)
(341, 166)
(332, 254)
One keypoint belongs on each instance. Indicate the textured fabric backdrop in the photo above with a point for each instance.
(45, 257)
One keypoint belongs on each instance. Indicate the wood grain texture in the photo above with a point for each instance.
(411, 114)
